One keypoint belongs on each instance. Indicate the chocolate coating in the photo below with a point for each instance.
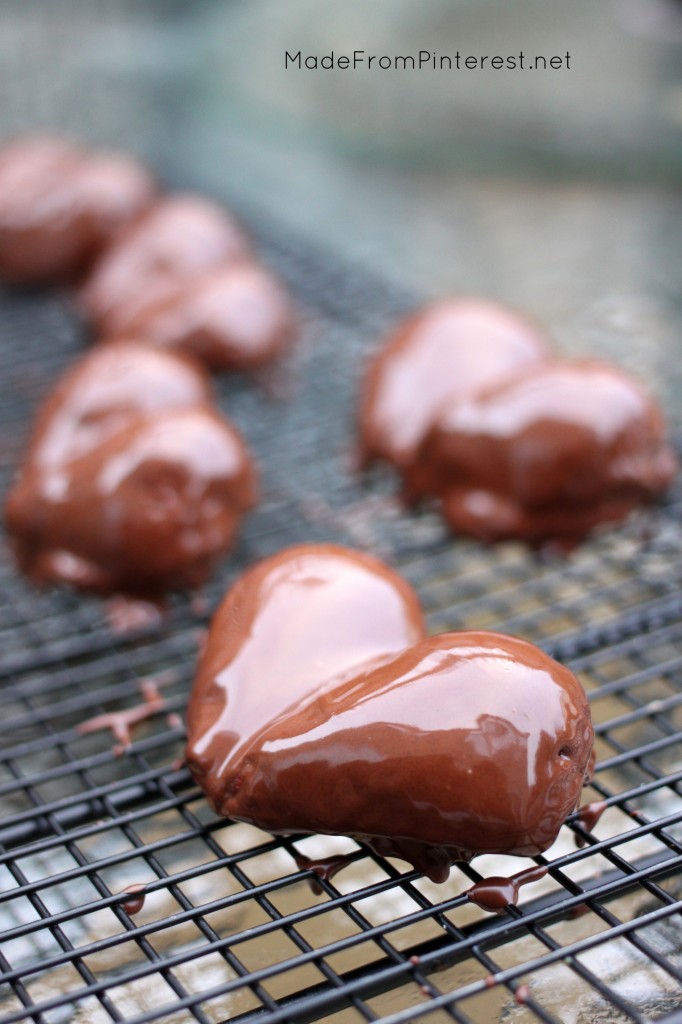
(132, 481)
(236, 317)
(551, 453)
(436, 356)
(60, 206)
(298, 620)
(432, 749)
(178, 240)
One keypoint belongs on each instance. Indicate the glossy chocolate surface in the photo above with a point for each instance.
(288, 628)
(551, 453)
(236, 317)
(439, 355)
(429, 749)
(180, 239)
(60, 205)
(132, 481)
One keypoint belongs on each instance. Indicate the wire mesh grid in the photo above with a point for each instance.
(230, 928)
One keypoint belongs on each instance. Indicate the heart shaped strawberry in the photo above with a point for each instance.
(132, 483)
(321, 706)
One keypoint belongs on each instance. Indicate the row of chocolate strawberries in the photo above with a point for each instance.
(467, 399)
(133, 482)
(174, 270)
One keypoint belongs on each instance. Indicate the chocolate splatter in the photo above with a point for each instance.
(121, 723)
(578, 911)
(522, 995)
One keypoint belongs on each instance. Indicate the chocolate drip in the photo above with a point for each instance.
(497, 892)
(134, 905)
(324, 867)
(522, 994)
(587, 817)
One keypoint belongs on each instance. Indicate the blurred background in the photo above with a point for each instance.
(557, 191)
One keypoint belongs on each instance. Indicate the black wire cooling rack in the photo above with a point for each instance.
(230, 928)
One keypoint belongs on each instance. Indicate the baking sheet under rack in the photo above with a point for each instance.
(230, 929)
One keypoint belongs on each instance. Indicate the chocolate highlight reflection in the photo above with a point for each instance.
(132, 481)
(321, 706)
(177, 241)
(433, 358)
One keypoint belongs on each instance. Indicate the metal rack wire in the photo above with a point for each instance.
(230, 929)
